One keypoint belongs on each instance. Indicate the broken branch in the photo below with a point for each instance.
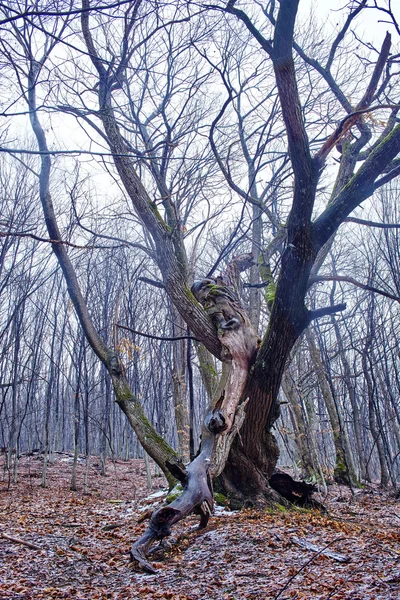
(18, 541)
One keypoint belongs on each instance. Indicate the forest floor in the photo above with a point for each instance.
(79, 543)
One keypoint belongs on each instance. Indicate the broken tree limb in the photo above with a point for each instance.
(19, 541)
(303, 543)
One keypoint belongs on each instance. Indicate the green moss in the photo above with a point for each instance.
(174, 493)
(235, 504)
(270, 292)
(154, 209)
(264, 269)
(208, 368)
(302, 509)
(220, 499)
(189, 293)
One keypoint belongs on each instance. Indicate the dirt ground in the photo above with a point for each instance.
(79, 543)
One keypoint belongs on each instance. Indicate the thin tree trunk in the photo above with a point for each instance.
(310, 465)
(179, 387)
(371, 401)
(344, 469)
(351, 389)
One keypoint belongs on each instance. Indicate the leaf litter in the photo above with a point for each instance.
(55, 543)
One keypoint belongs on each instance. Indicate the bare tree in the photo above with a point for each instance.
(247, 396)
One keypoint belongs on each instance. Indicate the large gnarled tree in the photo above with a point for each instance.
(247, 396)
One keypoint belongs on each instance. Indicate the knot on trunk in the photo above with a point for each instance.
(240, 344)
(220, 303)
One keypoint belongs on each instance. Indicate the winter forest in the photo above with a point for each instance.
(199, 248)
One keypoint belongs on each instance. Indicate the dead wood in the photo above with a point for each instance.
(239, 342)
(224, 416)
(196, 497)
(297, 492)
(22, 542)
(303, 543)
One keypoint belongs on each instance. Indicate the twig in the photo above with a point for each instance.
(18, 541)
(157, 337)
(304, 566)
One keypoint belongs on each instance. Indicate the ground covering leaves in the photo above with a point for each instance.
(80, 543)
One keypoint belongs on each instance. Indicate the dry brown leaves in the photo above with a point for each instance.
(84, 541)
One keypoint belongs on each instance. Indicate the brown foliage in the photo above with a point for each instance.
(249, 554)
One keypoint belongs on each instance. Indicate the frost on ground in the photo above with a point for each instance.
(79, 544)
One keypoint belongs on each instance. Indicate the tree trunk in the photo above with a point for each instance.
(303, 432)
(344, 469)
(254, 454)
(179, 386)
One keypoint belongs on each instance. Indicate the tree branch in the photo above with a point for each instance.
(345, 125)
(241, 15)
(388, 177)
(360, 187)
(358, 284)
(170, 253)
(352, 118)
(4, 234)
(326, 310)
(157, 337)
(305, 170)
(61, 13)
(372, 223)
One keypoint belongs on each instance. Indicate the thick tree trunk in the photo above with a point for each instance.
(255, 453)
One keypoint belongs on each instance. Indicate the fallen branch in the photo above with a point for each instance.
(289, 581)
(22, 542)
(321, 550)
